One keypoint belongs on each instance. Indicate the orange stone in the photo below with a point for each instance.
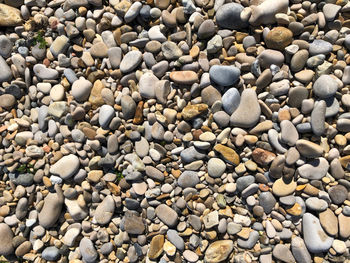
(186, 77)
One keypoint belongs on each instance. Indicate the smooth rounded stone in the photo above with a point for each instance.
(248, 112)
(283, 253)
(41, 71)
(216, 167)
(315, 169)
(279, 38)
(325, 86)
(5, 73)
(171, 51)
(59, 45)
(343, 125)
(270, 57)
(346, 75)
(279, 88)
(265, 12)
(309, 149)
(214, 44)
(210, 95)
(128, 107)
(319, 46)
(157, 131)
(233, 228)
(288, 200)
(106, 248)
(66, 167)
(6, 247)
(344, 226)
(147, 85)
(130, 61)
(105, 116)
(318, 117)
(230, 100)
(336, 169)
(224, 75)
(229, 16)
(24, 179)
(283, 188)
(206, 29)
(105, 210)
(186, 77)
(316, 204)
(57, 93)
(115, 56)
(10, 16)
(142, 147)
(218, 251)
(289, 134)
(87, 250)
(330, 11)
(5, 46)
(338, 194)
(267, 201)
(221, 118)
(132, 12)
(176, 239)
(316, 240)
(299, 250)
(156, 247)
(277, 166)
(7, 101)
(51, 210)
(99, 50)
(154, 173)
(133, 223)
(244, 181)
(250, 242)
(51, 253)
(299, 60)
(190, 256)
(190, 155)
(188, 179)
(71, 235)
(81, 89)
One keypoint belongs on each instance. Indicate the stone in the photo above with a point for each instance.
(282, 187)
(330, 11)
(192, 111)
(44, 73)
(156, 247)
(186, 77)
(270, 57)
(171, 51)
(230, 100)
(59, 45)
(289, 134)
(229, 16)
(190, 256)
(216, 167)
(167, 215)
(316, 240)
(133, 224)
(318, 116)
(105, 116)
(5, 73)
(338, 194)
(154, 173)
(309, 149)
(105, 210)
(7, 101)
(248, 112)
(66, 167)
(218, 251)
(206, 29)
(279, 38)
(267, 201)
(344, 226)
(299, 250)
(81, 89)
(51, 253)
(5, 47)
(147, 85)
(228, 154)
(319, 46)
(51, 210)
(130, 61)
(6, 247)
(210, 95)
(176, 239)
(314, 169)
(224, 75)
(188, 179)
(9, 16)
(265, 12)
(329, 222)
(282, 252)
(95, 97)
(87, 250)
(325, 86)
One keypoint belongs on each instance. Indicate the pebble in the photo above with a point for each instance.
(130, 61)
(224, 75)
(230, 100)
(218, 251)
(87, 250)
(6, 247)
(66, 167)
(325, 86)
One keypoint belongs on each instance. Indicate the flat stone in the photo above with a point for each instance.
(10, 16)
(344, 226)
(299, 250)
(216, 167)
(318, 116)
(267, 201)
(87, 250)
(316, 240)
(154, 173)
(224, 75)
(176, 239)
(192, 111)
(248, 112)
(338, 194)
(319, 46)
(81, 89)
(289, 134)
(315, 169)
(186, 77)
(105, 116)
(188, 179)
(51, 210)
(167, 215)
(230, 100)
(133, 224)
(66, 167)
(147, 85)
(156, 247)
(130, 61)
(282, 252)
(105, 210)
(325, 86)
(279, 38)
(5, 74)
(329, 222)
(7, 101)
(44, 73)
(309, 149)
(6, 234)
(59, 45)
(283, 188)
(218, 251)
(228, 154)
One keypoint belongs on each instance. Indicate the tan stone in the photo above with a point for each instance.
(156, 247)
(329, 222)
(9, 16)
(227, 153)
(95, 96)
(218, 251)
(278, 38)
(262, 156)
(192, 111)
(186, 77)
(169, 248)
(295, 210)
(282, 188)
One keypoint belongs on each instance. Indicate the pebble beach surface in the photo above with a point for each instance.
(174, 131)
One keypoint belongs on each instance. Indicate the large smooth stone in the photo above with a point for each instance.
(224, 75)
(66, 167)
(315, 169)
(248, 112)
(229, 16)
